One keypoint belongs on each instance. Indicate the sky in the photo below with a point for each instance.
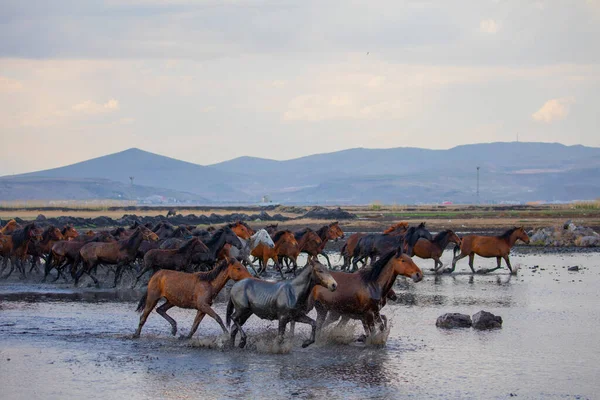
(206, 81)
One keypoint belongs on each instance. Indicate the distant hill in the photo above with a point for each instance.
(508, 172)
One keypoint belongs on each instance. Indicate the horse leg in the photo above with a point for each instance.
(239, 320)
(313, 331)
(150, 304)
(118, 273)
(454, 261)
(199, 316)
(206, 309)
(508, 264)
(321, 315)
(471, 259)
(326, 257)
(162, 310)
(283, 321)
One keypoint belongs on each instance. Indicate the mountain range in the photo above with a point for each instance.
(508, 172)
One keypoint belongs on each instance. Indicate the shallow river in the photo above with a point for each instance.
(59, 342)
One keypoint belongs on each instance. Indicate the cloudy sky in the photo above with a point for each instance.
(208, 80)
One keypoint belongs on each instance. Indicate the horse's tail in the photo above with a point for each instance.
(456, 250)
(142, 303)
(229, 312)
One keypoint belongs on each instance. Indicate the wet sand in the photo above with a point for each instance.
(59, 342)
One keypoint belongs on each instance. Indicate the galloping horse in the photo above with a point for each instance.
(284, 242)
(119, 253)
(175, 259)
(196, 291)
(215, 244)
(15, 246)
(327, 233)
(243, 255)
(284, 301)
(434, 248)
(489, 246)
(360, 294)
(309, 242)
(41, 249)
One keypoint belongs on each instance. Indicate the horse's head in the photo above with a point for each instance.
(521, 234)
(454, 238)
(55, 234)
(286, 237)
(241, 230)
(237, 271)
(322, 276)
(262, 236)
(69, 232)
(334, 232)
(405, 266)
(231, 238)
(199, 245)
(147, 234)
(272, 228)
(10, 227)
(36, 234)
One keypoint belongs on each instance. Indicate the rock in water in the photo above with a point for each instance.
(453, 320)
(486, 320)
(575, 268)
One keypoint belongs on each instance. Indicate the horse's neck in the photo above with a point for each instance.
(302, 284)
(386, 279)
(512, 240)
(443, 243)
(220, 281)
(216, 243)
(133, 243)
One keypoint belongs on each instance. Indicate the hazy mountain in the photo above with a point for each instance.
(508, 172)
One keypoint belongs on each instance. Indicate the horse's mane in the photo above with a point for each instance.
(64, 229)
(396, 226)
(159, 225)
(274, 226)
(371, 274)
(134, 225)
(128, 242)
(186, 245)
(181, 230)
(213, 273)
(21, 235)
(46, 232)
(278, 235)
(322, 231)
(439, 238)
(117, 231)
(506, 235)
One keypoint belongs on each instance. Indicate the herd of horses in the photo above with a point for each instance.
(188, 267)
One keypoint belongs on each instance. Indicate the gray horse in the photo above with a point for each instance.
(284, 301)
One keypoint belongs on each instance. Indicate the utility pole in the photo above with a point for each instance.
(132, 178)
(478, 185)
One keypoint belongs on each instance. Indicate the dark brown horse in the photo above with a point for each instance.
(175, 259)
(195, 291)
(329, 232)
(69, 233)
(16, 246)
(488, 247)
(348, 248)
(360, 295)
(119, 253)
(435, 248)
(42, 248)
(309, 242)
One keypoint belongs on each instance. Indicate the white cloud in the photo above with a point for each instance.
(90, 107)
(489, 26)
(553, 110)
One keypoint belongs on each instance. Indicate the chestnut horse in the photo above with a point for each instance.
(184, 290)
(434, 248)
(15, 247)
(327, 233)
(360, 294)
(309, 242)
(285, 243)
(10, 227)
(488, 247)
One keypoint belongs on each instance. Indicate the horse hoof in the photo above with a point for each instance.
(362, 338)
(306, 344)
(242, 344)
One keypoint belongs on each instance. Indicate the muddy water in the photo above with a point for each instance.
(57, 342)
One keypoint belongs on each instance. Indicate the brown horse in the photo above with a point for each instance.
(174, 259)
(488, 247)
(15, 246)
(309, 242)
(327, 233)
(10, 227)
(69, 233)
(285, 243)
(66, 253)
(184, 290)
(42, 248)
(119, 253)
(434, 248)
(359, 295)
(398, 228)
(242, 230)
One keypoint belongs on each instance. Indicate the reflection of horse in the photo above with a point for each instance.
(434, 248)
(327, 233)
(360, 295)
(197, 291)
(489, 246)
(284, 301)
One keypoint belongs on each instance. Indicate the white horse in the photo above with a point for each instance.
(243, 255)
